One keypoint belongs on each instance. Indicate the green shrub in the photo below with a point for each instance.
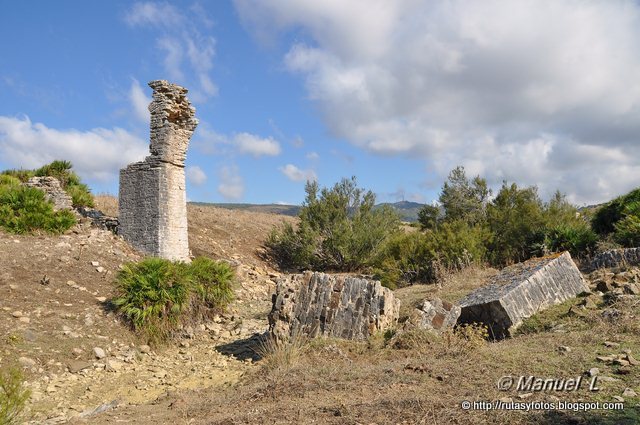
(80, 195)
(339, 230)
(606, 217)
(21, 175)
(13, 395)
(212, 284)
(157, 296)
(627, 231)
(405, 258)
(24, 209)
(8, 180)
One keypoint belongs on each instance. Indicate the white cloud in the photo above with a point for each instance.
(254, 145)
(231, 185)
(139, 102)
(503, 86)
(188, 54)
(154, 15)
(195, 175)
(96, 154)
(313, 156)
(295, 174)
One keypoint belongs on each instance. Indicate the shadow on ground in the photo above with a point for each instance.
(243, 349)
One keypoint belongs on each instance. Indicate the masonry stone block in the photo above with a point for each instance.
(319, 304)
(520, 291)
(152, 199)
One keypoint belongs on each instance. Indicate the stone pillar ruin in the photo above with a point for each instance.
(152, 199)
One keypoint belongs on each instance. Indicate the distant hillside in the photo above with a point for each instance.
(407, 210)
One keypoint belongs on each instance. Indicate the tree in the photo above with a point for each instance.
(339, 230)
(428, 217)
(464, 199)
(516, 221)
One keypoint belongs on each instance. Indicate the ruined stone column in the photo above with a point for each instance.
(153, 200)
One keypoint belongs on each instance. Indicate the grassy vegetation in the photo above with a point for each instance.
(24, 209)
(157, 297)
(13, 395)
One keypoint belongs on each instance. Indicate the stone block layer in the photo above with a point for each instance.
(319, 304)
(437, 315)
(520, 291)
(616, 258)
(153, 200)
(53, 192)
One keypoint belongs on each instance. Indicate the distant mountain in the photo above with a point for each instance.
(407, 210)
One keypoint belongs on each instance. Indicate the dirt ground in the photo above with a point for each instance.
(56, 326)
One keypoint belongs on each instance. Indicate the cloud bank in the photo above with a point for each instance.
(538, 91)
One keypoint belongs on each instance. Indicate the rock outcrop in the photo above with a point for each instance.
(152, 201)
(53, 192)
(319, 304)
(616, 258)
(520, 291)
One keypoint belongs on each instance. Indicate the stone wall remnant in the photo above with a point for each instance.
(616, 258)
(319, 304)
(53, 192)
(152, 199)
(520, 291)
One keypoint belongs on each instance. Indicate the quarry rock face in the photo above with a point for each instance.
(616, 258)
(319, 304)
(520, 291)
(152, 200)
(53, 192)
(437, 315)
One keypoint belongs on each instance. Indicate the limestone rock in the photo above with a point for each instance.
(318, 304)
(99, 353)
(53, 192)
(521, 291)
(437, 315)
(152, 199)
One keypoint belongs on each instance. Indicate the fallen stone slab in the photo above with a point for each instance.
(520, 291)
(616, 258)
(437, 315)
(319, 304)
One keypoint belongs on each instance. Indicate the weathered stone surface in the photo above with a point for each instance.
(152, 201)
(53, 192)
(99, 219)
(437, 315)
(520, 291)
(616, 257)
(319, 304)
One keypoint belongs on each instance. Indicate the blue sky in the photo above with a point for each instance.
(397, 93)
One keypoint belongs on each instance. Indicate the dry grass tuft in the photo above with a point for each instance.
(106, 203)
(278, 356)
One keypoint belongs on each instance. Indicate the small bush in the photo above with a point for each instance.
(157, 296)
(13, 395)
(24, 209)
(606, 217)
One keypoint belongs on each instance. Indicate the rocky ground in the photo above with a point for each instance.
(85, 366)
(80, 358)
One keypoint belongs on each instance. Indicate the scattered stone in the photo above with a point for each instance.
(77, 351)
(319, 304)
(437, 315)
(99, 353)
(604, 286)
(621, 362)
(152, 199)
(618, 398)
(593, 372)
(95, 263)
(100, 269)
(631, 289)
(76, 366)
(26, 362)
(145, 349)
(606, 359)
(632, 361)
(612, 314)
(564, 349)
(17, 314)
(611, 344)
(24, 320)
(522, 290)
(101, 299)
(628, 392)
(607, 379)
(624, 370)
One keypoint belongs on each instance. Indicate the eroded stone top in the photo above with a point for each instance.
(172, 122)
